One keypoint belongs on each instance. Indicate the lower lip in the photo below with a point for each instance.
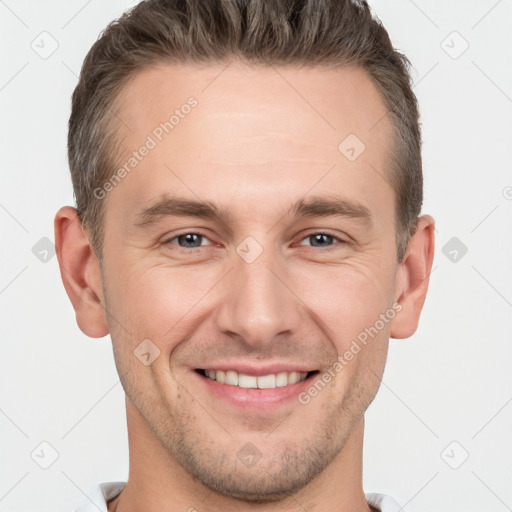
(256, 398)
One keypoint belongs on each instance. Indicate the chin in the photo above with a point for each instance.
(273, 477)
(269, 489)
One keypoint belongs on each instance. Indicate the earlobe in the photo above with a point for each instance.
(80, 272)
(413, 278)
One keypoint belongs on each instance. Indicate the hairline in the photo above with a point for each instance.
(112, 144)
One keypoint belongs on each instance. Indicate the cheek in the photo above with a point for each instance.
(158, 299)
(345, 300)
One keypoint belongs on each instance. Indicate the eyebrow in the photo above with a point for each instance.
(312, 207)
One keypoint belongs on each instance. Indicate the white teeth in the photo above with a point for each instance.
(293, 377)
(267, 381)
(231, 378)
(281, 379)
(247, 381)
(273, 380)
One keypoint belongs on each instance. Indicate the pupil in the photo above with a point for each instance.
(320, 237)
(193, 238)
(189, 239)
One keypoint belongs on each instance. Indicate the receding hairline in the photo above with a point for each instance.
(115, 129)
(115, 133)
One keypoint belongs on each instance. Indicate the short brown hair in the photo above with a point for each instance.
(332, 33)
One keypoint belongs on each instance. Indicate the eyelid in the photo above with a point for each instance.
(167, 240)
(324, 232)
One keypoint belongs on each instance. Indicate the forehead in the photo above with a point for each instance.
(268, 133)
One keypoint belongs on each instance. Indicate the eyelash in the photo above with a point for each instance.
(199, 233)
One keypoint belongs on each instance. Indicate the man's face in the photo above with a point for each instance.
(263, 289)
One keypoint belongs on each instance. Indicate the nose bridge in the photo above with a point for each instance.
(257, 304)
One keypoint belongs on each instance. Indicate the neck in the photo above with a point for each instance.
(158, 483)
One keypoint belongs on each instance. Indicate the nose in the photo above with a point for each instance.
(259, 302)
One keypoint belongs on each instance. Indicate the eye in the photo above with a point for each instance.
(322, 239)
(189, 240)
(193, 240)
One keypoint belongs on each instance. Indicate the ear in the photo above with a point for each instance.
(413, 278)
(80, 272)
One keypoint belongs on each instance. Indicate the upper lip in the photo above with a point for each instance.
(257, 370)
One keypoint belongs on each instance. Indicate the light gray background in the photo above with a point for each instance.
(450, 382)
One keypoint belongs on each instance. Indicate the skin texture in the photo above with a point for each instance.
(259, 139)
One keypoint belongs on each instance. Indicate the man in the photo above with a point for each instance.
(248, 183)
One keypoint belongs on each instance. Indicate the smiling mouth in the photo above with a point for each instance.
(270, 381)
